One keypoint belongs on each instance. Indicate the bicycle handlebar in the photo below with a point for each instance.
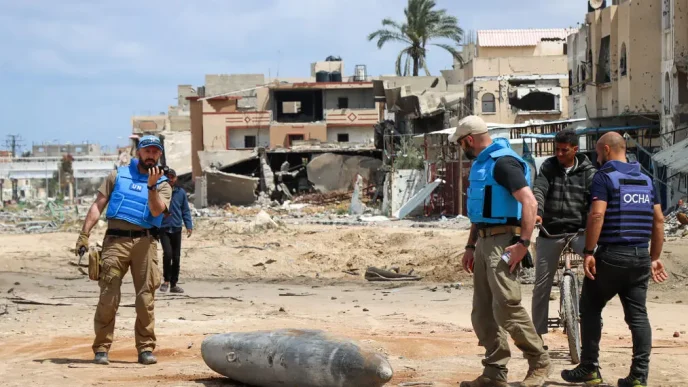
(565, 235)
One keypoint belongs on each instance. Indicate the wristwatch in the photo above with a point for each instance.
(588, 252)
(524, 242)
(151, 188)
(470, 247)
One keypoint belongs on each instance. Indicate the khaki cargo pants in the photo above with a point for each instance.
(120, 253)
(497, 310)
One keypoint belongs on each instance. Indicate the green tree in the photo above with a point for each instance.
(423, 24)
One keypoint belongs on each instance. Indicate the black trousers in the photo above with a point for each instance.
(171, 251)
(624, 271)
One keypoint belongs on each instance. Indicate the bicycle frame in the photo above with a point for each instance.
(565, 258)
(569, 293)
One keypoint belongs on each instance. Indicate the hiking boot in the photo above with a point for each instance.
(587, 374)
(536, 377)
(630, 381)
(101, 358)
(484, 381)
(176, 289)
(147, 358)
(163, 287)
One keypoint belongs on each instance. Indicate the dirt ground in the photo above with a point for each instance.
(233, 276)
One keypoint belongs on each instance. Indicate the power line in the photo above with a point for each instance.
(14, 143)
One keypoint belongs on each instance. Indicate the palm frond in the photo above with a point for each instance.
(397, 64)
(385, 36)
(453, 51)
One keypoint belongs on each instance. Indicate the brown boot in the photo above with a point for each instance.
(484, 381)
(537, 377)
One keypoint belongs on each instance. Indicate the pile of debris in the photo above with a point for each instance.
(675, 223)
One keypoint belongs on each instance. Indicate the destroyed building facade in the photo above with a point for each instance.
(240, 112)
(674, 94)
(614, 65)
(515, 76)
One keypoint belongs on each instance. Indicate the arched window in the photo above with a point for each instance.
(489, 103)
(623, 61)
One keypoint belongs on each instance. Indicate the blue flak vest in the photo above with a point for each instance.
(129, 198)
(630, 210)
(482, 183)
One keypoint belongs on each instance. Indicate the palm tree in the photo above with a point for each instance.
(423, 23)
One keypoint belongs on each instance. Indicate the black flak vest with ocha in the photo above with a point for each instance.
(629, 216)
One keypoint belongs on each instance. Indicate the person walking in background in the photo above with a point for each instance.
(171, 234)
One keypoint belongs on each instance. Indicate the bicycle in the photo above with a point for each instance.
(569, 280)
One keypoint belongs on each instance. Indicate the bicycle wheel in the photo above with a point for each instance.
(569, 297)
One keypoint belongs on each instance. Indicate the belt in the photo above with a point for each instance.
(132, 233)
(498, 230)
(622, 249)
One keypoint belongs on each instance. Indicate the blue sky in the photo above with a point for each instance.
(77, 70)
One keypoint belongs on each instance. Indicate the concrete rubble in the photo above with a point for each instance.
(230, 188)
(673, 228)
(333, 172)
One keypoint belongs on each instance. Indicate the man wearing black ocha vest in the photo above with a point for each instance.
(627, 226)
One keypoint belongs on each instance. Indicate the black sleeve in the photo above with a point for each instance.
(509, 173)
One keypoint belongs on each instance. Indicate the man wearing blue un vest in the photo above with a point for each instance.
(502, 210)
(136, 196)
(627, 226)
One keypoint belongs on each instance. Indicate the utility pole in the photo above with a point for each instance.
(14, 144)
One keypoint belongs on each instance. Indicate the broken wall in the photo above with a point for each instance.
(227, 188)
(334, 172)
(492, 101)
(220, 159)
(178, 151)
(405, 184)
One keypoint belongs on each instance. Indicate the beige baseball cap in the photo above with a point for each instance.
(468, 125)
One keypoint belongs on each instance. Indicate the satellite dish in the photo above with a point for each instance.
(596, 4)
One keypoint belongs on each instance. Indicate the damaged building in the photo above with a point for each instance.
(674, 94)
(421, 104)
(249, 125)
(516, 76)
(614, 66)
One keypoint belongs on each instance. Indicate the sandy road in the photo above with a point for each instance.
(425, 334)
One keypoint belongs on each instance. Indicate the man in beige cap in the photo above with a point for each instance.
(502, 210)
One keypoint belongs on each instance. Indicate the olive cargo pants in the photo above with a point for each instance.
(120, 253)
(497, 310)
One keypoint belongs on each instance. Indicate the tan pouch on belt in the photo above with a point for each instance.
(94, 264)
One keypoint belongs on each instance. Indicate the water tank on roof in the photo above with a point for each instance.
(360, 73)
(336, 76)
(322, 76)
